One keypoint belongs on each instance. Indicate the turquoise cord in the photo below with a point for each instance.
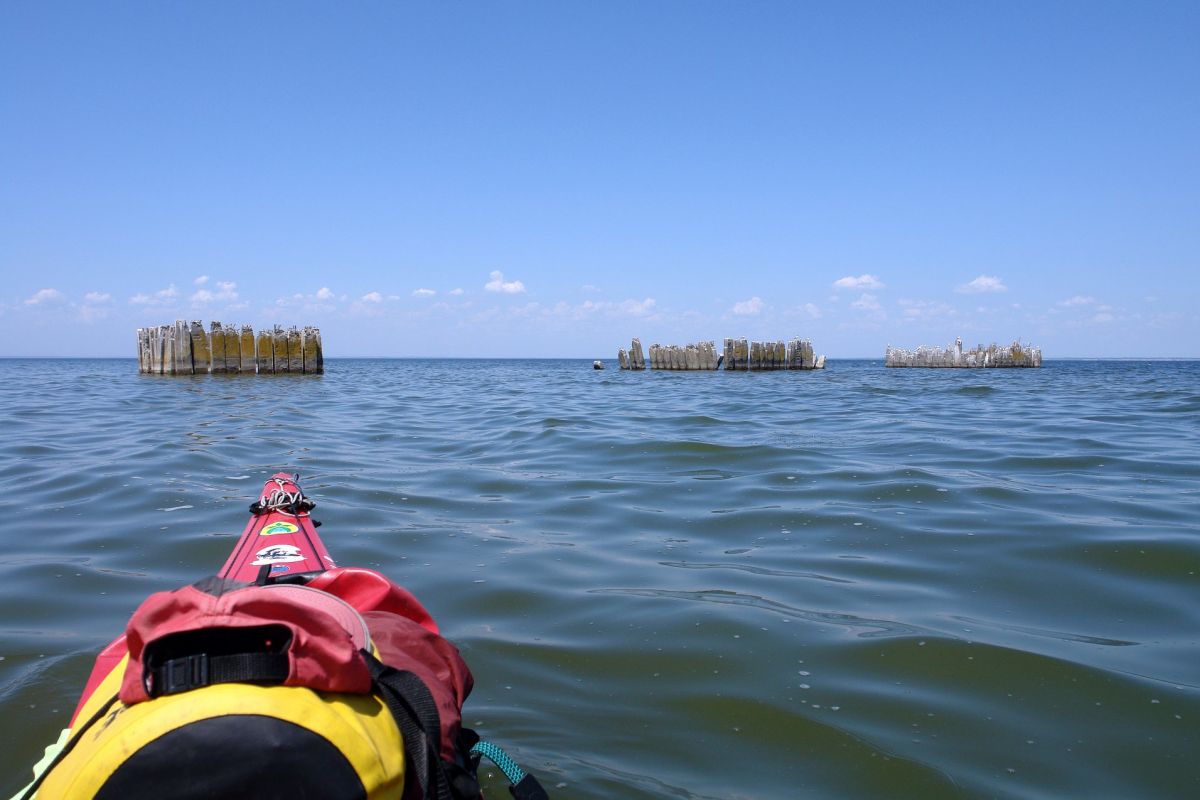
(501, 759)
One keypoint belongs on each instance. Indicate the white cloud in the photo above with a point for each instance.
(1103, 316)
(587, 287)
(455, 292)
(90, 314)
(1077, 300)
(866, 302)
(226, 292)
(97, 297)
(424, 293)
(748, 308)
(588, 308)
(926, 309)
(203, 279)
(43, 296)
(372, 297)
(159, 298)
(984, 283)
(498, 284)
(861, 282)
(638, 308)
(322, 300)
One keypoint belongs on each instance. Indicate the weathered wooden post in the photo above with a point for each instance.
(263, 357)
(233, 349)
(279, 350)
(143, 345)
(216, 343)
(993, 355)
(249, 364)
(182, 336)
(201, 352)
(187, 349)
(637, 359)
(160, 350)
(739, 354)
(314, 359)
(169, 350)
(148, 333)
(295, 351)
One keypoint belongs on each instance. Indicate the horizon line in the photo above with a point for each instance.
(581, 358)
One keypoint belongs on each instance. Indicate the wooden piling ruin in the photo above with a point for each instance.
(183, 349)
(1014, 355)
(634, 359)
(739, 354)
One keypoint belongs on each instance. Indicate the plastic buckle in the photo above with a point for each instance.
(184, 674)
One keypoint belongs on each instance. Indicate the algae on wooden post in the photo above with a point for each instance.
(201, 353)
(739, 354)
(279, 349)
(246, 340)
(216, 343)
(264, 359)
(295, 351)
(314, 360)
(233, 349)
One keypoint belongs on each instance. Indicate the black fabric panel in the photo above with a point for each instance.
(245, 755)
(218, 586)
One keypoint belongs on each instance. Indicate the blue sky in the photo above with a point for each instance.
(552, 179)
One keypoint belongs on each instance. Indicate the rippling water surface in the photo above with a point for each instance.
(850, 583)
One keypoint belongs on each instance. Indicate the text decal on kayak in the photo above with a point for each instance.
(277, 553)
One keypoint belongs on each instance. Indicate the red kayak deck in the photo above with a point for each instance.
(280, 535)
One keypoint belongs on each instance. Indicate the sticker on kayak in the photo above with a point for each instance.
(276, 528)
(277, 568)
(276, 554)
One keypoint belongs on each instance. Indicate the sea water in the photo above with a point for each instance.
(854, 582)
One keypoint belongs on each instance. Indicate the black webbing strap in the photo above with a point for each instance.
(412, 704)
(191, 672)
